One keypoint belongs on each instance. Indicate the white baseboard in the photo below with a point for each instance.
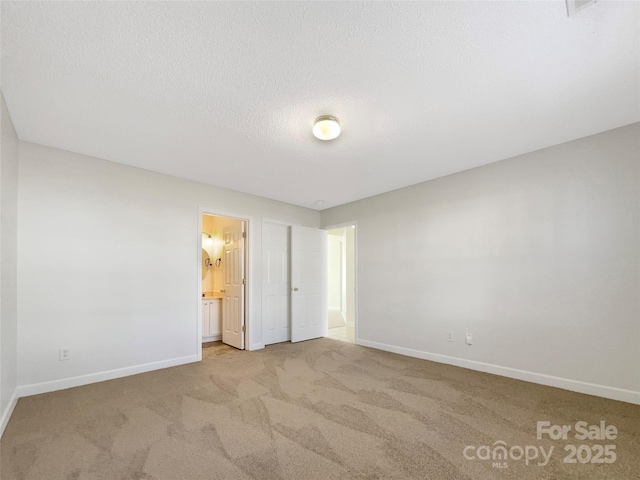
(613, 393)
(64, 383)
(6, 415)
(214, 338)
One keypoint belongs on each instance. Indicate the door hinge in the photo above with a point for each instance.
(244, 234)
(244, 328)
(244, 282)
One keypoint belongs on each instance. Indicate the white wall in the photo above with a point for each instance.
(537, 256)
(108, 266)
(8, 272)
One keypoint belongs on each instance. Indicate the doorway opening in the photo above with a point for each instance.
(341, 287)
(224, 280)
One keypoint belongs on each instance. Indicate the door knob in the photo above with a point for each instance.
(222, 291)
(295, 289)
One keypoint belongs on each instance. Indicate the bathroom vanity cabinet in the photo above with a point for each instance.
(211, 319)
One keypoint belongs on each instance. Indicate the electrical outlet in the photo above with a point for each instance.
(449, 336)
(64, 354)
(469, 339)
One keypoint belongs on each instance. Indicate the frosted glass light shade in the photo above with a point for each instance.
(326, 127)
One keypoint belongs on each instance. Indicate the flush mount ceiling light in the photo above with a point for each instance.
(326, 127)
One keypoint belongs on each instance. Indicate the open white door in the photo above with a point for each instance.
(309, 283)
(234, 282)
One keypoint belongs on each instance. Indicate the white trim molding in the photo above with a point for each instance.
(64, 383)
(6, 415)
(613, 393)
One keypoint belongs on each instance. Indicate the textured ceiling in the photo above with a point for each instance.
(225, 93)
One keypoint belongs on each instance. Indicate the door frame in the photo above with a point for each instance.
(355, 273)
(248, 270)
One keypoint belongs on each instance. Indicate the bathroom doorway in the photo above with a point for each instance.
(341, 283)
(224, 279)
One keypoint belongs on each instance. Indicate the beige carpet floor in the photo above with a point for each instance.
(321, 409)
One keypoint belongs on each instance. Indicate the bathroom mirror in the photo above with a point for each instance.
(206, 261)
